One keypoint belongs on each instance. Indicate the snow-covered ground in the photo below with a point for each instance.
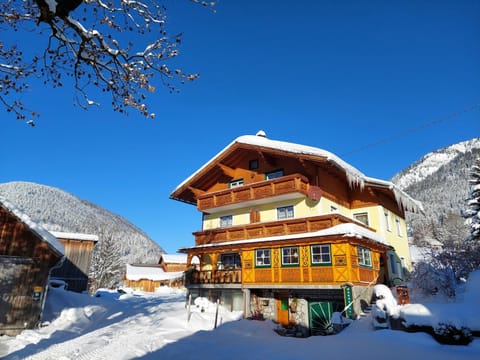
(139, 325)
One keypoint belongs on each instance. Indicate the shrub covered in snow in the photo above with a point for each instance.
(385, 306)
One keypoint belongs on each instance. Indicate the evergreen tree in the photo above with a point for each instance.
(472, 214)
(106, 268)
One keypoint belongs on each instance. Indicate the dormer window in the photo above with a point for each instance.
(235, 183)
(274, 174)
(253, 164)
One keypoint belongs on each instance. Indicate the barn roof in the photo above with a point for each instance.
(39, 230)
(150, 272)
(74, 236)
(174, 258)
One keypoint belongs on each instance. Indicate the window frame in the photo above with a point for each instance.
(398, 225)
(236, 183)
(291, 256)
(321, 254)
(362, 251)
(286, 208)
(224, 217)
(388, 225)
(363, 213)
(263, 250)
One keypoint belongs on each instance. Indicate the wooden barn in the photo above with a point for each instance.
(173, 262)
(150, 277)
(28, 254)
(78, 251)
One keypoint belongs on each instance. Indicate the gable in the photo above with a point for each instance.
(320, 166)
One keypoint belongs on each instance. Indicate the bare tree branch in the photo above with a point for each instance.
(95, 43)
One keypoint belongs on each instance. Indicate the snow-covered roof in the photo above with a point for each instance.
(344, 230)
(153, 272)
(176, 259)
(354, 176)
(45, 235)
(74, 236)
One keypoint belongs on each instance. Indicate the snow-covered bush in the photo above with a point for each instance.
(385, 306)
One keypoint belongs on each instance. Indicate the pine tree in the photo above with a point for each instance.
(105, 271)
(472, 214)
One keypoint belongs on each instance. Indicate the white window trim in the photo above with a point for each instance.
(321, 261)
(386, 216)
(362, 213)
(298, 256)
(398, 224)
(286, 217)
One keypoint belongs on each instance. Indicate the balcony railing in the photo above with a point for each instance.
(295, 183)
(215, 277)
(273, 228)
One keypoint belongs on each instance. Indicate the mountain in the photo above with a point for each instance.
(58, 210)
(440, 181)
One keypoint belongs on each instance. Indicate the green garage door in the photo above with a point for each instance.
(320, 317)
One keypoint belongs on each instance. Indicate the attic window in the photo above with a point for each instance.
(253, 164)
(235, 183)
(274, 174)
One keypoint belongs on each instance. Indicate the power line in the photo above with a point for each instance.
(413, 130)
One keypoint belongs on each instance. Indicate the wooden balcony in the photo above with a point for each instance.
(295, 183)
(273, 228)
(215, 277)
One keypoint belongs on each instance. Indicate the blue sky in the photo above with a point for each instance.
(374, 82)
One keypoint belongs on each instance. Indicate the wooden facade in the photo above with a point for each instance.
(28, 253)
(284, 221)
(78, 251)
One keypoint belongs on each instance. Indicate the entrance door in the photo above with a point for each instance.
(320, 316)
(282, 311)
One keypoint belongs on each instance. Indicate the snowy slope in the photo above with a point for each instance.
(440, 181)
(432, 162)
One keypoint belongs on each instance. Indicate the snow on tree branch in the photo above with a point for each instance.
(96, 43)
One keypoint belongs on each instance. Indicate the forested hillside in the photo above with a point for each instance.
(58, 210)
(440, 181)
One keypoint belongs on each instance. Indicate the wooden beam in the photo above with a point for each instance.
(227, 170)
(196, 192)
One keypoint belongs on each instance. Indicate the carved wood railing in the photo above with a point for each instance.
(255, 191)
(215, 277)
(272, 228)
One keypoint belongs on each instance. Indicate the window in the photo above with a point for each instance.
(290, 255)
(253, 164)
(364, 257)
(226, 220)
(285, 212)
(387, 221)
(274, 174)
(262, 257)
(399, 226)
(235, 183)
(333, 208)
(362, 217)
(230, 261)
(393, 264)
(320, 254)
